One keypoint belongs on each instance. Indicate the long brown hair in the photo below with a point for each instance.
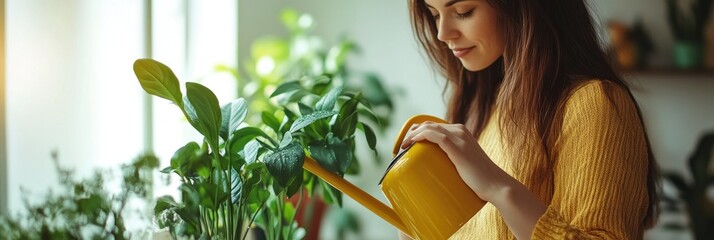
(551, 49)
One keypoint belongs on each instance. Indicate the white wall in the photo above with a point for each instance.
(676, 108)
(70, 88)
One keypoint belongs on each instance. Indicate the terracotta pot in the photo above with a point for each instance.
(309, 214)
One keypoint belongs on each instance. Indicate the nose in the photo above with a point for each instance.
(446, 31)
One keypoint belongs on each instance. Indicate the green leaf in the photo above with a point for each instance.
(163, 203)
(244, 135)
(286, 87)
(288, 212)
(348, 126)
(208, 112)
(375, 92)
(166, 170)
(305, 120)
(211, 195)
(184, 156)
(294, 186)
(287, 139)
(251, 151)
(286, 163)
(258, 196)
(324, 155)
(236, 186)
(331, 194)
(304, 109)
(157, 79)
(369, 134)
(371, 115)
(296, 96)
(327, 102)
(270, 120)
(347, 118)
(343, 153)
(232, 115)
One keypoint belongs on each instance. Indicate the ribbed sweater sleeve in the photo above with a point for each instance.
(599, 168)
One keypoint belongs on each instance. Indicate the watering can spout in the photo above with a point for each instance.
(359, 195)
(428, 197)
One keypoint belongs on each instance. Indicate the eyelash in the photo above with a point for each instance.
(458, 15)
(464, 15)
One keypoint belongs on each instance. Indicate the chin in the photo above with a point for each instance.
(474, 67)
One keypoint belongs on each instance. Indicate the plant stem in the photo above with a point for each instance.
(253, 219)
(281, 204)
(290, 231)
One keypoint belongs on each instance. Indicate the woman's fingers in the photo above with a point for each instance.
(445, 135)
(438, 137)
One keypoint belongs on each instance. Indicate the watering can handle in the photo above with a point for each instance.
(408, 124)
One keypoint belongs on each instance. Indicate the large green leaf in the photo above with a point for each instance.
(232, 115)
(157, 79)
(305, 120)
(286, 163)
(327, 102)
(208, 112)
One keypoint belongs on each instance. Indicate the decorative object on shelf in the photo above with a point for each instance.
(622, 47)
(688, 28)
(696, 194)
(631, 47)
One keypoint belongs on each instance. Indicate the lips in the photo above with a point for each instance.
(460, 52)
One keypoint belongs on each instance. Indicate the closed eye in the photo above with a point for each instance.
(465, 14)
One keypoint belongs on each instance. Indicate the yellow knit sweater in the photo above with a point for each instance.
(597, 184)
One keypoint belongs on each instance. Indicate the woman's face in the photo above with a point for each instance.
(470, 29)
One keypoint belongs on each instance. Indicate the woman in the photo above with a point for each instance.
(545, 130)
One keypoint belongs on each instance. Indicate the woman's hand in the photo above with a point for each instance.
(476, 169)
(518, 206)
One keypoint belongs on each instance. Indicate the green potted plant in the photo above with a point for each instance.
(303, 56)
(695, 193)
(84, 209)
(688, 28)
(239, 175)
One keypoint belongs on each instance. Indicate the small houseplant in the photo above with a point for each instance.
(688, 28)
(84, 209)
(241, 175)
(694, 193)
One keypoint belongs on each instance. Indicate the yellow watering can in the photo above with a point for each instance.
(429, 200)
